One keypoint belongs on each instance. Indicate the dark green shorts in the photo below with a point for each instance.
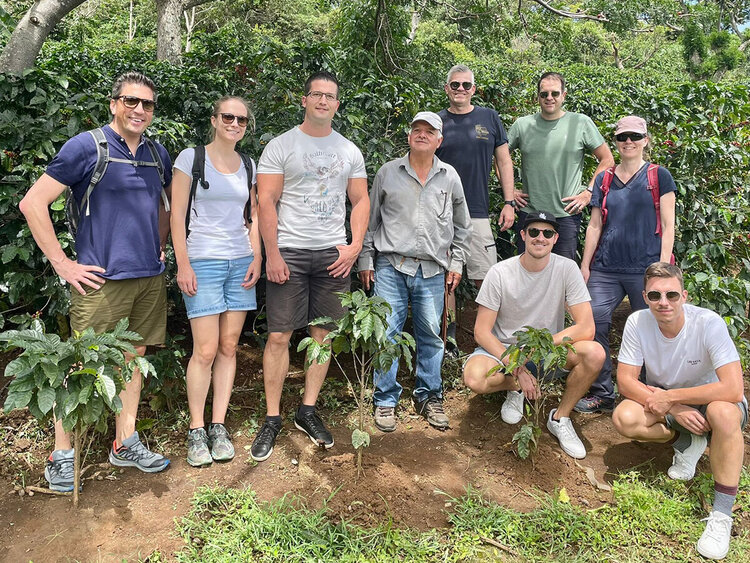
(142, 300)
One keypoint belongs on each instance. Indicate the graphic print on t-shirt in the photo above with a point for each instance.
(322, 167)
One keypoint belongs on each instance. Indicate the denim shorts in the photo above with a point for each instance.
(219, 287)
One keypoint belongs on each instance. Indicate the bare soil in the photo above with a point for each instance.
(410, 475)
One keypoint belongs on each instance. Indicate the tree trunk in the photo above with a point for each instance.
(78, 438)
(30, 33)
(168, 40)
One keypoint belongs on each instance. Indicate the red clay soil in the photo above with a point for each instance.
(409, 477)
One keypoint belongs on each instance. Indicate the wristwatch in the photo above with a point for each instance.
(512, 203)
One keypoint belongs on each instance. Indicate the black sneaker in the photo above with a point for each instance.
(592, 403)
(264, 441)
(432, 409)
(311, 424)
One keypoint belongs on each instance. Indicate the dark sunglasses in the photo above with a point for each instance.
(554, 94)
(655, 296)
(622, 137)
(455, 85)
(228, 119)
(131, 102)
(534, 232)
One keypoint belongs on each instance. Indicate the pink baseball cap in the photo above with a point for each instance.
(631, 124)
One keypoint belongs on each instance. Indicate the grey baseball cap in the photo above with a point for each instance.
(429, 117)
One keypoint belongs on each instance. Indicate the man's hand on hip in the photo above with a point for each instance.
(347, 256)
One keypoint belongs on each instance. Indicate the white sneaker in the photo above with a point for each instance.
(565, 433)
(714, 543)
(683, 463)
(512, 409)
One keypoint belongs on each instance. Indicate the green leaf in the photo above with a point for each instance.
(106, 387)
(45, 398)
(360, 439)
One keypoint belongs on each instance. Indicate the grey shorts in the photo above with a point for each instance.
(557, 374)
(309, 293)
(742, 405)
(482, 250)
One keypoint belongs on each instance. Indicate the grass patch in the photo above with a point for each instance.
(652, 519)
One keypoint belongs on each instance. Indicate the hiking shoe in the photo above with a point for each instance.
(432, 409)
(592, 403)
(198, 453)
(264, 441)
(133, 453)
(512, 409)
(565, 433)
(385, 418)
(683, 463)
(311, 424)
(221, 443)
(714, 542)
(59, 470)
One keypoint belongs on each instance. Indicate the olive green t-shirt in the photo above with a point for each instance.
(552, 154)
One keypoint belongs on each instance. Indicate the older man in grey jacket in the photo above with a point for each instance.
(420, 228)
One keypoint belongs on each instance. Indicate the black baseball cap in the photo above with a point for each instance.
(540, 217)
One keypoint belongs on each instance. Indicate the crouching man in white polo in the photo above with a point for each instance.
(692, 393)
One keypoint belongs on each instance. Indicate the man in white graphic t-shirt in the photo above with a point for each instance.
(304, 178)
(693, 392)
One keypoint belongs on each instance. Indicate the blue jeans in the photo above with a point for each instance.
(567, 241)
(607, 292)
(426, 296)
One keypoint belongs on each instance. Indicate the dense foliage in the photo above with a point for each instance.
(699, 128)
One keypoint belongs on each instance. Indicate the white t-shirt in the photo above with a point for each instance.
(312, 207)
(689, 359)
(535, 299)
(217, 218)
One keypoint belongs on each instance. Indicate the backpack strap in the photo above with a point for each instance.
(198, 175)
(159, 168)
(653, 186)
(249, 165)
(102, 161)
(609, 175)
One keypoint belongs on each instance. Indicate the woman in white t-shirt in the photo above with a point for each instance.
(217, 269)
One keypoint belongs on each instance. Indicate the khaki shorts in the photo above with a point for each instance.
(142, 300)
(482, 251)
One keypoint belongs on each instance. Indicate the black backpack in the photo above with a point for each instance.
(198, 173)
(73, 212)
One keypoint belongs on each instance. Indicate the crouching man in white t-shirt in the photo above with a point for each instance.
(693, 392)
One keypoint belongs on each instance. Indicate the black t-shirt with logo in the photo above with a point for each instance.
(469, 142)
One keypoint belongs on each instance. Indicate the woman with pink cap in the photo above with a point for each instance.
(631, 227)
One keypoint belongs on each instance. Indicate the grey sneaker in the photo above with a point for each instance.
(197, 451)
(133, 453)
(714, 542)
(683, 463)
(432, 409)
(59, 470)
(385, 418)
(565, 433)
(221, 444)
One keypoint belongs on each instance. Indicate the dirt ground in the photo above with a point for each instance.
(409, 477)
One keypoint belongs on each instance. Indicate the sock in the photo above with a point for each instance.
(196, 428)
(306, 409)
(724, 498)
(682, 441)
(275, 420)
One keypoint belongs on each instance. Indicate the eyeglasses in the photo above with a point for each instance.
(622, 137)
(554, 94)
(534, 232)
(228, 119)
(131, 102)
(455, 85)
(319, 95)
(655, 296)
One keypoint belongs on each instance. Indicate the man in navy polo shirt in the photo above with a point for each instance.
(119, 241)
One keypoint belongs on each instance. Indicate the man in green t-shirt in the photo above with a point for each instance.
(553, 145)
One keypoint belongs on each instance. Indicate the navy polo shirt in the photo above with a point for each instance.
(629, 243)
(469, 143)
(121, 231)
